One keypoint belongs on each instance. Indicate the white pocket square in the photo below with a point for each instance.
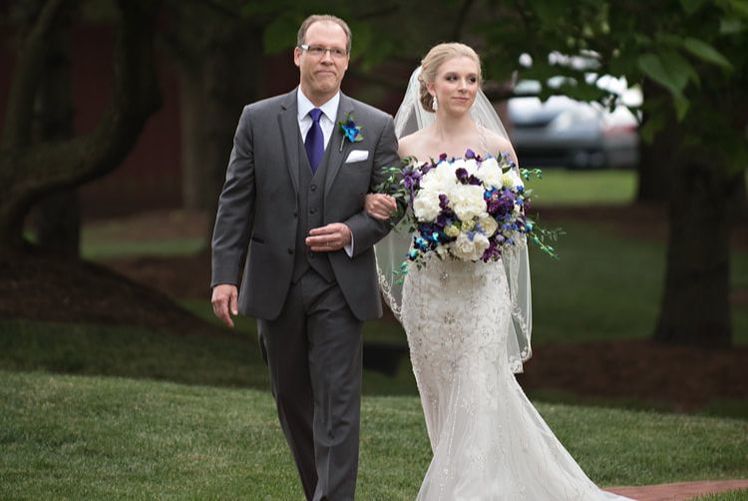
(357, 156)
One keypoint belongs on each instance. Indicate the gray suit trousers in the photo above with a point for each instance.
(314, 351)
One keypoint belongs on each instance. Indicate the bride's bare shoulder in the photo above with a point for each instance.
(412, 144)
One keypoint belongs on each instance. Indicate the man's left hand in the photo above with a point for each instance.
(329, 238)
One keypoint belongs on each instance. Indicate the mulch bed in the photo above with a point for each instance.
(49, 288)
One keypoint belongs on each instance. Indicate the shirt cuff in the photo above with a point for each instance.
(349, 248)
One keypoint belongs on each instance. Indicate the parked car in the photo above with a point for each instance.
(563, 132)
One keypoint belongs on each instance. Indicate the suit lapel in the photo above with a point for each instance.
(289, 128)
(336, 155)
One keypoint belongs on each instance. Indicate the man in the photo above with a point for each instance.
(293, 198)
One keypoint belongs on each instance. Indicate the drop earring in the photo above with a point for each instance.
(435, 104)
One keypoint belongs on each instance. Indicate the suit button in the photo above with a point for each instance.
(312, 211)
(295, 214)
(313, 187)
(290, 251)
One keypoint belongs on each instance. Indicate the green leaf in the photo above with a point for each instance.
(691, 6)
(730, 26)
(681, 106)
(706, 52)
(740, 7)
(679, 67)
(651, 65)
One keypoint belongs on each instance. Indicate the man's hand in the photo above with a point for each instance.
(380, 206)
(330, 238)
(224, 303)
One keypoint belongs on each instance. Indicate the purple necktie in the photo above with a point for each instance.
(315, 141)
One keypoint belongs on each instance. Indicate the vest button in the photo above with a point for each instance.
(290, 250)
(312, 210)
(295, 214)
(313, 187)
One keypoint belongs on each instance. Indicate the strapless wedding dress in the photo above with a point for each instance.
(488, 441)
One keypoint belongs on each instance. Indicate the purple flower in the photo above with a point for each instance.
(469, 154)
(474, 180)
(443, 202)
(411, 178)
(444, 219)
(462, 175)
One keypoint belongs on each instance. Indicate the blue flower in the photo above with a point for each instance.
(350, 130)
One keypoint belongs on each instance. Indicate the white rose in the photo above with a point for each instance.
(471, 166)
(467, 201)
(469, 249)
(458, 163)
(511, 179)
(426, 205)
(441, 178)
(489, 172)
(488, 225)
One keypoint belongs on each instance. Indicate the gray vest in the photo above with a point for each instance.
(311, 196)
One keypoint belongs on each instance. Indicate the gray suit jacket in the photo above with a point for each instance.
(257, 211)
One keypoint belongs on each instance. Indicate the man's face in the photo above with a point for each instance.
(321, 74)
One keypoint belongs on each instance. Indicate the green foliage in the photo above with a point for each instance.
(696, 51)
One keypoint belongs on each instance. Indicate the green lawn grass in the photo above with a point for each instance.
(133, 352)
(560, 187)
(80, 437)
(740, 495)
(98, 250)
(608, 286)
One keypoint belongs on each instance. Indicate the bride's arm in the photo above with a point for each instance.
(499, 144)
(380, 206)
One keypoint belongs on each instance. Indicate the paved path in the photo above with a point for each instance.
(681, 491)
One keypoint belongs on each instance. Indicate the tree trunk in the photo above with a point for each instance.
(215, 86)
(654, 172)
(655, 159)
(695, 306)
(57, 217)
(231, 83)
(192, 110)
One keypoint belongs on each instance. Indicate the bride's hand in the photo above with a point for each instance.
(380, 206)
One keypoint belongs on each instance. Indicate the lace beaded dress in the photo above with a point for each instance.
(488, 441)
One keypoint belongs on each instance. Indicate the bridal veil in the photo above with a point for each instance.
(392, 250)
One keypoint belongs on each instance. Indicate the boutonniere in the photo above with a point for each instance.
(350, 130)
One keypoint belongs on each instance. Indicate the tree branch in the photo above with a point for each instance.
(136, 96)
(19, 115)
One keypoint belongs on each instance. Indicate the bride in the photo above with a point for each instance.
(468, 324)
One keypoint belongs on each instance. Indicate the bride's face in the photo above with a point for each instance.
(456, 85)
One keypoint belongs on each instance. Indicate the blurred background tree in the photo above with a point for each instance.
(34, 166)
(688, 56)
(691, 59)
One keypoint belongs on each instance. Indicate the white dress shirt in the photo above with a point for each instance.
(326, 123)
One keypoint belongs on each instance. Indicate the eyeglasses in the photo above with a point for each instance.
(319, 51)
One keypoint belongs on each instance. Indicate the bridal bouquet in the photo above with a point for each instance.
(469, 208)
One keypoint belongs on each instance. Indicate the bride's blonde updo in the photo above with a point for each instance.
(434, 59)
